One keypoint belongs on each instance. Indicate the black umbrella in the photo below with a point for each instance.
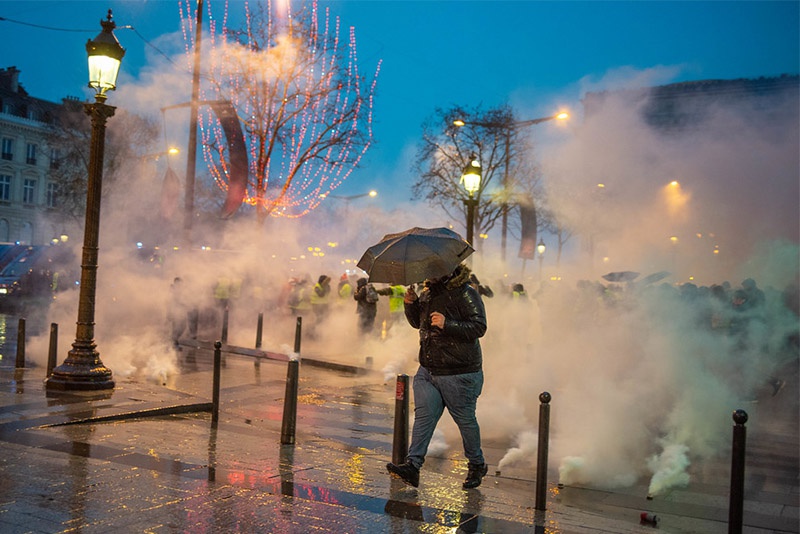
(621, 276)
(653, 278)
(414, 255)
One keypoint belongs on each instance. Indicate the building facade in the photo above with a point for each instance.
(678, 107)
(28, 193)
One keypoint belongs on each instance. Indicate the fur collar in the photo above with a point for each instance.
(459, 277)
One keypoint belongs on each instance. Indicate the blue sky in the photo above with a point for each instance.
(537, 56)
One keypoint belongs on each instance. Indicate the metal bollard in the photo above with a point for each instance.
(289, 424)
(259, 331)
(736, 506)
(52, 355)
(400, 441)
(541, 460)
(21, 345)
(224, 337)
(215, 392)
(297, 333)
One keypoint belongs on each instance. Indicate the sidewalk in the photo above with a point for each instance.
(176, 473)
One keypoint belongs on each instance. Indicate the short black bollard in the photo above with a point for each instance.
(541, 460)
(52, 355)
(259, 331)
(736, 506)
(21, 345)
(297, 333)
(289, 424)
(400, 441)
(215, 392)
(224, 337)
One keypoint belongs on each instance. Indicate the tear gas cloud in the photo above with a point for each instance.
(643, 385)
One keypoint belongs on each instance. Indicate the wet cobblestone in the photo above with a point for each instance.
(178, 474)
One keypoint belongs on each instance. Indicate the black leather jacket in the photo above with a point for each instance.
(455, 349)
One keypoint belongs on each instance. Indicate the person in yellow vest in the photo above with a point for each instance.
(222, 292)
(299, 298)
(397, 311)
(320, 301)
(345, 289)
(518, 292)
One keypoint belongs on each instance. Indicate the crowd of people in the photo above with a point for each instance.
(754, 330)
(748, 318)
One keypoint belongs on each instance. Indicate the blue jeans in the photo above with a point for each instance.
(432, 394)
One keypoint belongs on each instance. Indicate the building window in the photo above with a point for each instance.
(51, 195)
(30, 158)
(28, 191)
(26, 234)
(8, 148)
(55, 158)
(5, 187)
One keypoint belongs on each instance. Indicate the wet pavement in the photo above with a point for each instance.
(64, 471)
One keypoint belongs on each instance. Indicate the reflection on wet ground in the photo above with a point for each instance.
(179, 473)
(360, 435)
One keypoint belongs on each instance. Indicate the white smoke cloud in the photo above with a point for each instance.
(638, 389)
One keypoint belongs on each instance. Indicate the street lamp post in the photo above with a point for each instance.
(472, 183)
(540, 248)
(347, 198)
(82, 369)
(508, 128)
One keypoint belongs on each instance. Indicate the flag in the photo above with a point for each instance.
(237, 153)
(529, 224)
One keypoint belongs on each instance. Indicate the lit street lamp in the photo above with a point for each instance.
(171, 151)
(82, 369)
(348, 198)
(472, 183)
(508, 128)
(540, 248)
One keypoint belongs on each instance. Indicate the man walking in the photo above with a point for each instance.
(450, 316)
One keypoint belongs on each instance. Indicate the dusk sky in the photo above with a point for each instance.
(539, 57)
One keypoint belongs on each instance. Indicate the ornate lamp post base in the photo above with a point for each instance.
(81, 371)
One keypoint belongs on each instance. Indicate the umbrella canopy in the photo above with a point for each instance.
(621, 276)
(653, 278)
(414, 255)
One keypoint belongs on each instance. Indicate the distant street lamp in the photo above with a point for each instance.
(347, 198)
(82, 369)
(472, 183)
(155, 156)
(508, 128)
(540, 248)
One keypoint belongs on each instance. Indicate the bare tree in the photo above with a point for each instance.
(128, 138)
(305, 108)
(558, 227)
(445, 149)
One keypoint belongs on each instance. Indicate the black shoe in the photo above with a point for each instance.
(475, 475)
(406, 471)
